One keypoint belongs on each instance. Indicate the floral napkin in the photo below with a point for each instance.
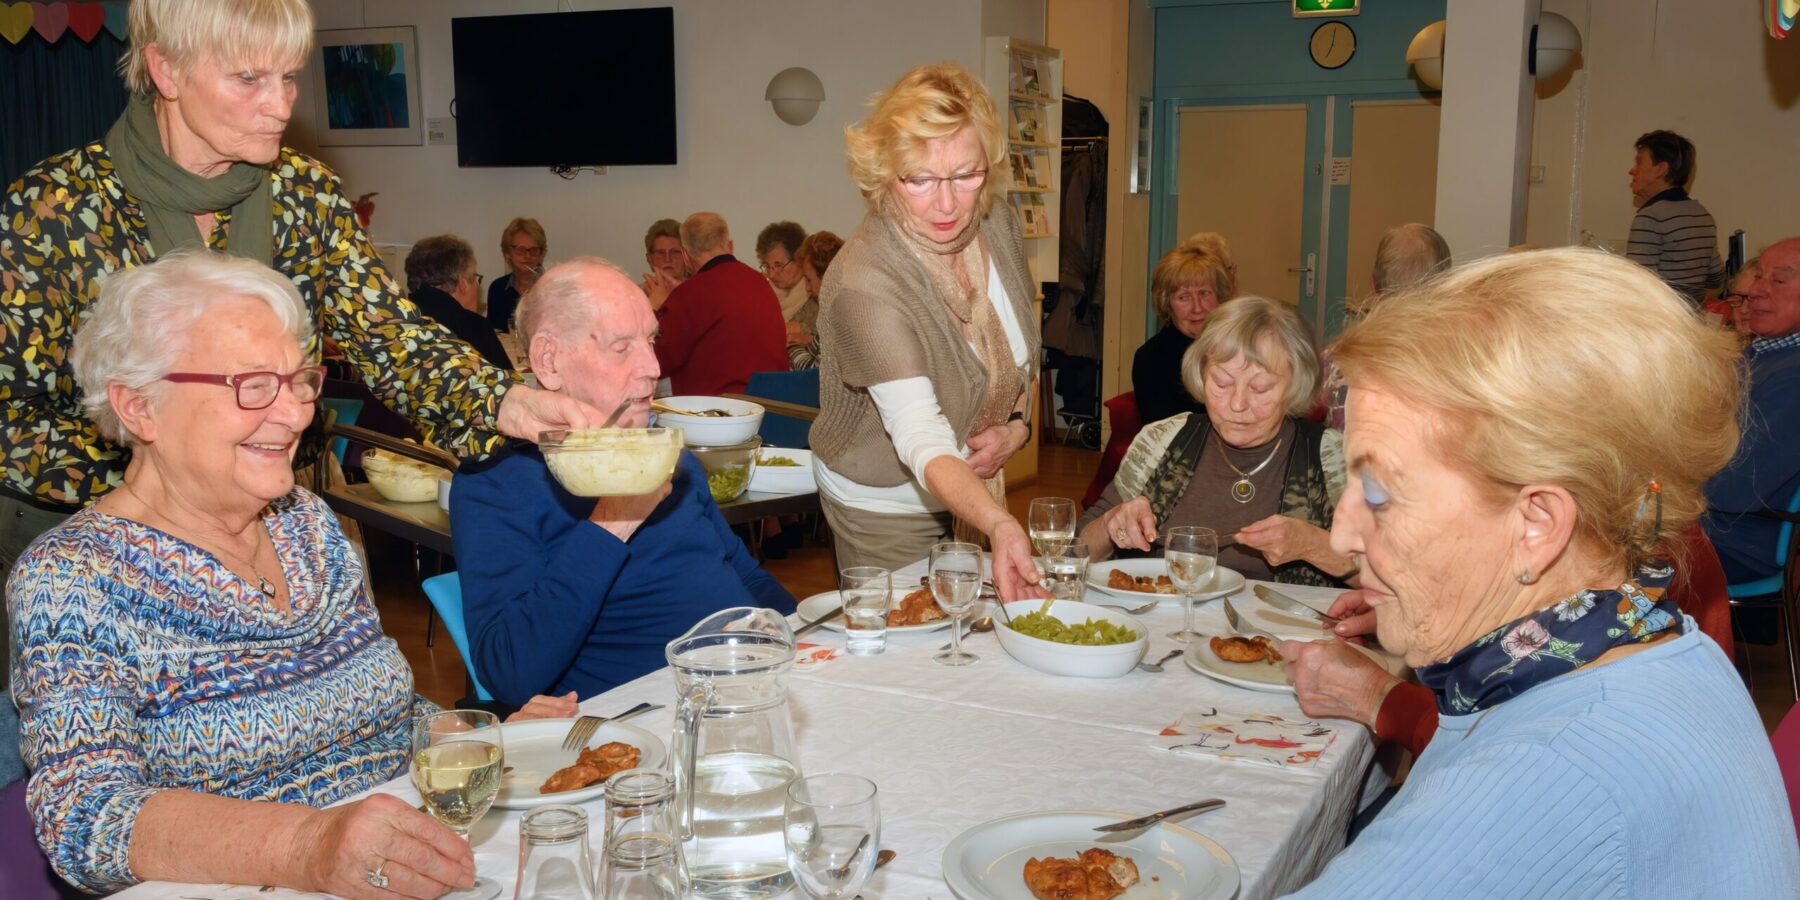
(811, 656)
(1251, 737)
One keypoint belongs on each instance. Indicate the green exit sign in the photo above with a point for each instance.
(1307, 8)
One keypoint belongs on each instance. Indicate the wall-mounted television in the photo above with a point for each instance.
(565, 89)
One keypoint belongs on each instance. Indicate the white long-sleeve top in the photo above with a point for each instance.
(914, 422)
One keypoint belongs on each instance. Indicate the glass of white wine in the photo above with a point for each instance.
(456, 760)
(1051, 524)
(955, 584)
(1191, 553)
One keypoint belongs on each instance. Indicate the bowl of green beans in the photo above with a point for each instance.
(1066, 637)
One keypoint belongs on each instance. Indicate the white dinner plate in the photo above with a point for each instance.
(533, 752)
(1261, 676)
(1225, 580)
(987, 862)
(818, 605)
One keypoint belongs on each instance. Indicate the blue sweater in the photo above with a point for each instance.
(1648, 777)
(1764, 474)
(554, 603)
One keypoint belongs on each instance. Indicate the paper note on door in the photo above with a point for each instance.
(1340, 170)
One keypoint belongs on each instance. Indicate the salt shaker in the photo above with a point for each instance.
(643, 858)
(554, 860)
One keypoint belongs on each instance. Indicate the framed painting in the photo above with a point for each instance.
(367, 84)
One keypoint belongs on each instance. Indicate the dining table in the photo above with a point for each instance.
(950, 748)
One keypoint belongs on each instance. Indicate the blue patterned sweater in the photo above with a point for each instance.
(142, 664)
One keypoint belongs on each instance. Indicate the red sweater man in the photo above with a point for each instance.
(722, 323)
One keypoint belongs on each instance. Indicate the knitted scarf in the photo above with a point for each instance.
(171, 196)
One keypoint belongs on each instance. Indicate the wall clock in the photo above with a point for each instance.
(1332, 45)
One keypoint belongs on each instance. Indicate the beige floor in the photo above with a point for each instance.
(1063, 472)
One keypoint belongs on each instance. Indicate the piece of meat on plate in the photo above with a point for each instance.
(593, 765)
(1096, 875)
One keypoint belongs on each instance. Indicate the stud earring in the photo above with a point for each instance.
(1526, 577)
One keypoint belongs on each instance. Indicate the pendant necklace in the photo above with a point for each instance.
(262, 584)
(1242, 490)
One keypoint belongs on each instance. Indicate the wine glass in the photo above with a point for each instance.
(833, 834)
(955, 584)
(1191, 552)
(1051, 524)
(457, 755)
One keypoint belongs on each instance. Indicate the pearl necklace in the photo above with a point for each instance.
(1242, 490)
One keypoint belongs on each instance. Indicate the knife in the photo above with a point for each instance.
(1153, 818)
(1288, 604)
(820, 621)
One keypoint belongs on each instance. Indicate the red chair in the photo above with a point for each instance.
(1700, 589)
(1786, 741)
(1122, 412)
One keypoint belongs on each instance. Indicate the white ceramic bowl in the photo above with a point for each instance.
(399, 478)
(784, 479)
(1106, 661)
(713, 431)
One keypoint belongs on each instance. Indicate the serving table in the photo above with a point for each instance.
(951, 748)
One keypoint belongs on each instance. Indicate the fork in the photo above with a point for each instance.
(1238, 626)
(583, 729)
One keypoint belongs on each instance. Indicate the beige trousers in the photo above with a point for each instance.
(888, 540)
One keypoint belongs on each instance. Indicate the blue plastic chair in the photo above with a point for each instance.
(801, 388)
(445, 593)
(343, 412)
(1779, 592)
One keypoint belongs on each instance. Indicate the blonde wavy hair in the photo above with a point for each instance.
(1203, 258)
(233, 32)
(930, 102)
(1267, 332)
(1570, 367)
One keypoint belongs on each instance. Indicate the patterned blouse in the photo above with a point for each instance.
(67, 223)
(142, 664)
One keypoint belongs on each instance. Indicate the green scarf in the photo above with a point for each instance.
(171, 196)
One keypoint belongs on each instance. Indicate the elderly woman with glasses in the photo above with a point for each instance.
(197, 664)
(1188, 284)
(1248, 467)
(930, 338)
(523, 244)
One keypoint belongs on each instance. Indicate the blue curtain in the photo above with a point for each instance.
(54, 97)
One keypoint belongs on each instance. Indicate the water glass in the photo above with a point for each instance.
(457, 756)
(866, 592)
(1065, 571)
(1050, 521)
(1191, 553)
(555, 862)
(955, 585)
(643, 859)
(833, 834)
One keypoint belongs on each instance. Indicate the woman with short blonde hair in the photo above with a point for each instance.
(1509, 489)
(1188, 284)
(1247, 467)
(523, 245)
(929, 336)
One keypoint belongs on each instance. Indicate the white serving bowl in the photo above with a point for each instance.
(401, 479)
(1106, 661)
(712, 431)
(784, 479)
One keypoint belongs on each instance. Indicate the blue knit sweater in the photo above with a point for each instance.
(1765, 472)
(1647, 777)
(554, 603)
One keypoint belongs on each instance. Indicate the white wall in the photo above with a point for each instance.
(1705, 68)
(735, 156)
(1484, 133)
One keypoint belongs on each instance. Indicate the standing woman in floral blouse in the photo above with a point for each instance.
(196, 160)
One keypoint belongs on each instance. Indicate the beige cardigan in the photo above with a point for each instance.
(880, 320)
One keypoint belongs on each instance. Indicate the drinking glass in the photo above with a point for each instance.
(833, 834)
(1065, 570)
(555, 862)
(955, 585)
(642, 854)
(1191, 552)
(457, 755)
(865, 591)
(1051, 524)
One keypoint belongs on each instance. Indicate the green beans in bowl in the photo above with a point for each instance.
(1074, 622)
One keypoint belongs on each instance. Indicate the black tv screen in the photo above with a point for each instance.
(565, 89)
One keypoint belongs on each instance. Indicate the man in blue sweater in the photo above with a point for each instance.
(1766, 471)
(564, 593)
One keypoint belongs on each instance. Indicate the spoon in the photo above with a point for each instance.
(616, 413)
(1136, 611)
(1158, 665)
(881, 859)
(980, 626)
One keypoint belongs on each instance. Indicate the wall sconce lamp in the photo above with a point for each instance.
(1554, 43)
(796, 94)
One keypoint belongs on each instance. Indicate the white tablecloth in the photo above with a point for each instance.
(950, 748)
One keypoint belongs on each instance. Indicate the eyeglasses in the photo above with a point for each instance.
(257, 390)
(1733, 298)
(926, 185)
(477, 276)
(526, 251)
(770, 268)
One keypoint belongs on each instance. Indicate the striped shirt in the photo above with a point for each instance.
(1674, 236)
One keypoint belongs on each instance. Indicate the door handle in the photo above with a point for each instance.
(1299, 268)
(1312, 260)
